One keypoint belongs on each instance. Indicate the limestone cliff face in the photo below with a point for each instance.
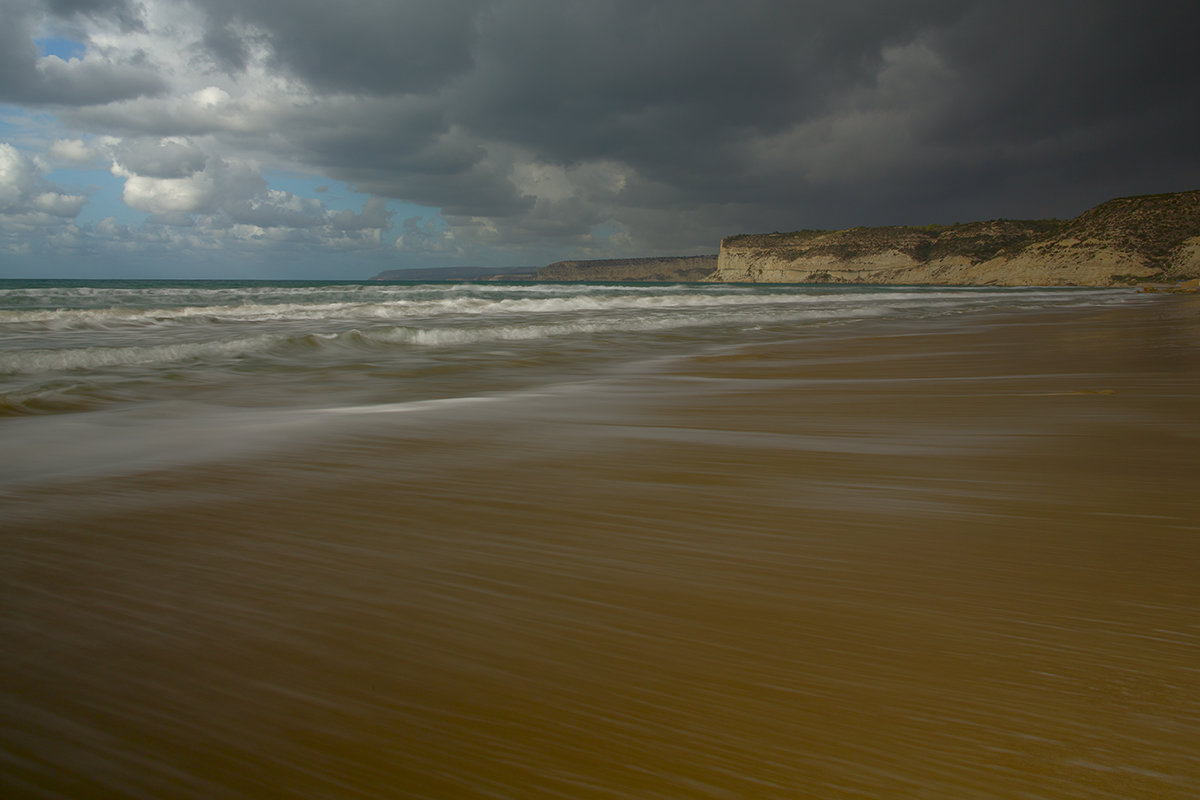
(1123, 241)
(666, 269)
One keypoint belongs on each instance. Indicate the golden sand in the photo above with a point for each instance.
(944, 560)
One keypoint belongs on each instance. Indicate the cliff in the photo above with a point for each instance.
(667, 269)
(1121, 242)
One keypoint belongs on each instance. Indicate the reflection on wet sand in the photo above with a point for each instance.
(914, 560)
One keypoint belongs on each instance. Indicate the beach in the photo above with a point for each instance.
(945, 553)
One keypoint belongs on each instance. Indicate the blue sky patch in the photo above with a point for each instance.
(66, 49)
(335, 194)
(103, 190)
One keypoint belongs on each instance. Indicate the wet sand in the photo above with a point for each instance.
(946, 559)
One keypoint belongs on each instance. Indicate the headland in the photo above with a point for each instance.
(1148, 240)
(1123, 242)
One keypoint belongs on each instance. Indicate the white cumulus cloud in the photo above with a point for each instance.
(27, 195)
(216, 186)
(73, 151)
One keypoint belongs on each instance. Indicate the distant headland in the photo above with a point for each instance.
(1123, 242)
(667, 269)
(457, 274)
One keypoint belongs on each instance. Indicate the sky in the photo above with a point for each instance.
(317, 139)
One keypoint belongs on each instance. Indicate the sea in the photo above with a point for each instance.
(101, 377)
(487, 539)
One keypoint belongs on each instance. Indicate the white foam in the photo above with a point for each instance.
(85, 308)
(212, 323)
(407, 407)
(122, 441)
(46, 360)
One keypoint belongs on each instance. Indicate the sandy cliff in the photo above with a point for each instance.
(1123, 241)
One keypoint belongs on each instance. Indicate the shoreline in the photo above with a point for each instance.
(909, 557)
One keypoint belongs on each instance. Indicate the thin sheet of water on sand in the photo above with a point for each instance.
(909, 560)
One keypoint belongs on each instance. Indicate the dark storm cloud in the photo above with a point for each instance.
(664, 82)
(819, 113)
(27, 78)
(1037, 68)
(225, 48)
(676, 121)
(124, 12)
(370, 46)
(1060, 105)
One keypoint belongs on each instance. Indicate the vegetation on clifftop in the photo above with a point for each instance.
(977, 241)
(1151, 225)
(1151, 231)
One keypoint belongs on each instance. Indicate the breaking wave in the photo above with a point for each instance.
(69, 348)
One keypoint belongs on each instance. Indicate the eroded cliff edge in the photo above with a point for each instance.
(1125, 241)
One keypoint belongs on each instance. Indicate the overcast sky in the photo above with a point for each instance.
(312, 138)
